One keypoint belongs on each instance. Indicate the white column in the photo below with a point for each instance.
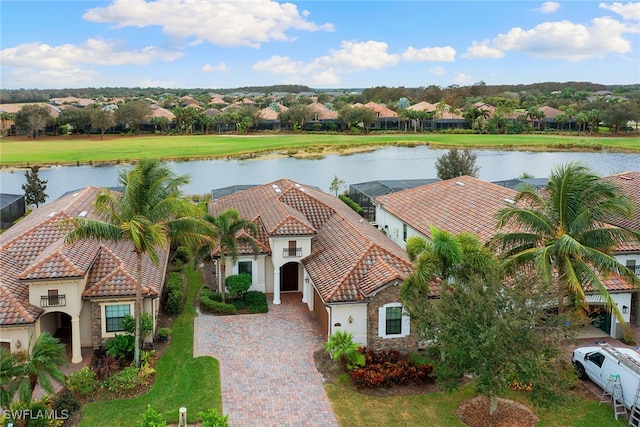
(305, 287)
(276, 285)
(76, 351)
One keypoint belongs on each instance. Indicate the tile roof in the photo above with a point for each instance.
(34, 249)
(470, 207)
(350, 260)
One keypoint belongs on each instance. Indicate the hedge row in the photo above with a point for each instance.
(210, 303)
(353, 205)
(175, 295)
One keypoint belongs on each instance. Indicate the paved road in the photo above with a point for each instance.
(266, 365)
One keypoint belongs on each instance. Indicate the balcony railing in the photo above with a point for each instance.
(53, 301)
(292, 252)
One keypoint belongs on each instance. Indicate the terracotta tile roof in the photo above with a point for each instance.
(422, 106)
(322, 112)
(629, 184)
(448, 205)
(349, 261)
(34, 249)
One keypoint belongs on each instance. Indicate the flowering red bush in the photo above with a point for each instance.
(388, 368)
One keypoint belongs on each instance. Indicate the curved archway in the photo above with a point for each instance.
(58, 324)
(290, 277)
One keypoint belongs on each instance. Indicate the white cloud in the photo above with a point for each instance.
(482, 50)
(462, 79)
(437, 71)
(18, 77)
(441, 54)
(220, 22)
(208, 68)
(560, 40)
(549, 7)
(93, 51)
(629, 11)
(352, 57)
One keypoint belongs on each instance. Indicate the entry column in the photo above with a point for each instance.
(276, 285)
(76, 351)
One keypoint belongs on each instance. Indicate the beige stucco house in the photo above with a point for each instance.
(311, 243)
(78, 292)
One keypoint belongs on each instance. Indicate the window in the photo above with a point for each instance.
(245, 267)
(631, 265)
(596, 358)
(53, 297)
(114, 314)
(393, 321)
(404, 232)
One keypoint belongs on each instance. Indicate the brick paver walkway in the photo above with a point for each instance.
(266, 365)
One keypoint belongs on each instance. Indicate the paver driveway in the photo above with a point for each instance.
(266, 365)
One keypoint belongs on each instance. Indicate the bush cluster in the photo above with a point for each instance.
(389, 368)
(256, 301)
(127, 379)
(181, 255)
(66, 401)
(175, 296)
(353, 205)
(210, 303)
(83, 381)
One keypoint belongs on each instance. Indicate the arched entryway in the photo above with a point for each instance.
(58, 324)
(289, 277)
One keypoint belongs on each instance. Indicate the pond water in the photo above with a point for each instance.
(385, 163)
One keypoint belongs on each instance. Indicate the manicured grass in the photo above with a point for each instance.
(357, 410)
(82, 150)
(181, 379)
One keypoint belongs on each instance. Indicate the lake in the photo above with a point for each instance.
(385, 163)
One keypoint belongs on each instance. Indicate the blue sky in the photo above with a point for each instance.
(322, 44)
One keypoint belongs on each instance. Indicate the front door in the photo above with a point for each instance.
(289, 277)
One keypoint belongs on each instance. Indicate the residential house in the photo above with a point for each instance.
(310, 242)
(321, 114)
(80, 292)
(463, 204)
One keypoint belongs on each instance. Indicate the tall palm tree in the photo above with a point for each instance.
(562, 232)
(447, 257)
(228, 226)
(149, 212)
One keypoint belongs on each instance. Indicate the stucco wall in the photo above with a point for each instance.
(17, 333)
(358, 327)
(393, 227)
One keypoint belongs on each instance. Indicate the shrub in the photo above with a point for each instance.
(238, 304)
(353, 205)
(388, 368)
(212, 418)
(106, 366)
(212, 295)
(67, 402)
(127, 379)
(152, 418)
(181, 254)
(83, 381)
(146, 325)
(174, 303)
(174, 281)
(257, 302)
(164, 332)
(210, 306)
(121, 347)
(341, 346)
(238, 284)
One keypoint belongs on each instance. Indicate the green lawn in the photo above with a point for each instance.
(357, 410)
(81, 150)
(181, 379)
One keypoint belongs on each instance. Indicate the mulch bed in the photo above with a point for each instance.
(475, 413)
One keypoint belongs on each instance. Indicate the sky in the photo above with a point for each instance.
(322, 44)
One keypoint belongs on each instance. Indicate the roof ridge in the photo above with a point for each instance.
(342, 280)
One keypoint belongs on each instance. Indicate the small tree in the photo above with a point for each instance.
(146, 325)
(336, 184)
(34, 188)
(455, 163)
(238, 284)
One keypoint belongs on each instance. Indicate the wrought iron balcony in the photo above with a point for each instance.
(53, 301)
(292, 252)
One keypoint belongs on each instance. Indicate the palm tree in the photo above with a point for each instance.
(21, 372)
(562, 233)
(228, 227)
(446, 256)
(149, 212)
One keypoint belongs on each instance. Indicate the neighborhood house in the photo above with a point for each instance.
(80, 292)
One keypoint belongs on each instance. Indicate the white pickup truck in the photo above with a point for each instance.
(599, 363)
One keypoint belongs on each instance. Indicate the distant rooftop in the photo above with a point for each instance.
(517, 183)
(387, 186)
(232, 189)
